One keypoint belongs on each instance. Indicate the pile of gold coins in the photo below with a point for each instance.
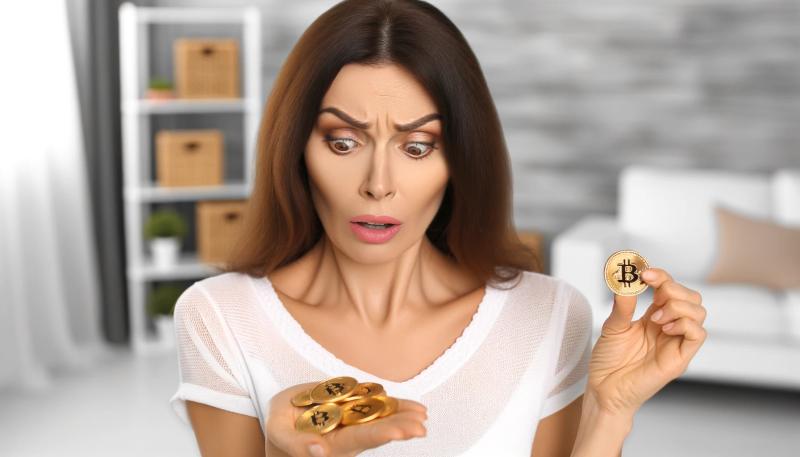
(342, 400)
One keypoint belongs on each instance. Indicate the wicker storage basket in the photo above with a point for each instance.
(206, 68)
(189, 158)
(218, 226)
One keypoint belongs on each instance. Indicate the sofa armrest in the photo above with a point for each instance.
(580, 253)
(791, 305)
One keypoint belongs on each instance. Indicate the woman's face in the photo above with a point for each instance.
(368, 155)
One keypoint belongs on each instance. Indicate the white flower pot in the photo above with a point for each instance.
(165, 252)
(165, 328)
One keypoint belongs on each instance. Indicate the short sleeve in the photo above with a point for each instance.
(209, 371)
(572, 369)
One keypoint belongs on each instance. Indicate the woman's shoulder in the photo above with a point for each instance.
(224, 280)
(223, 292)
(543, 294)
(544, 288)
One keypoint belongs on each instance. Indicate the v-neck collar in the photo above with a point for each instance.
(450, 361)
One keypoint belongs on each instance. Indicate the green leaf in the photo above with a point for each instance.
(164, 223)
(161, 300)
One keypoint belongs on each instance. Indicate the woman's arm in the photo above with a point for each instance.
(222, 433)
(600, 434)
(575, 428)
(555, 434)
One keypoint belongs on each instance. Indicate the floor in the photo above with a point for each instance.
(120, 409)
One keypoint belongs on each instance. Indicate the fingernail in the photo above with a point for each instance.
(668, 326)
(657, 315)
(648, 274)
(316, 450)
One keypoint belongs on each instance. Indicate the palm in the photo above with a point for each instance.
(628, 368)
(349, 440)
(385, 429)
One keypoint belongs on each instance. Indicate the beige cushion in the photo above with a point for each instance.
(756, 251)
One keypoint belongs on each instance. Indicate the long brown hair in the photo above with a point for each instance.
(474, 224)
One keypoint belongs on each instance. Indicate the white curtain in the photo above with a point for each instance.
(49, 291)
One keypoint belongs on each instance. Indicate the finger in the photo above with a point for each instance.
(299, 443)
(400, 425)
(666, 287)
(409, 421)
(408, 404)
(286, 438)
(693, 335)
(280, 424)
(419, 416)
(621, 314)
(674, 309)
(359, 437)
(655, 277)
(672, 289)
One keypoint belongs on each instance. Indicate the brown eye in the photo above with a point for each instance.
(340, 145)
(419, 149)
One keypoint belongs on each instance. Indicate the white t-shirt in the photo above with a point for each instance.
(523, 356)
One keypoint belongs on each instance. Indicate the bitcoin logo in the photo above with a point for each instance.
(319, 418)
(362, 410)
(366, 389)
(333, 390)
(623, 271)
(627, 272)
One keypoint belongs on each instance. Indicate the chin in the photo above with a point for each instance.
(371, 253)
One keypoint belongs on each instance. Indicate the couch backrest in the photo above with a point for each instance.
(667, 213)
(786, 191)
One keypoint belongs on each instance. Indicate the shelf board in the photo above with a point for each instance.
(188, 267)
(154, 15)
(155, 193)
(181, 106)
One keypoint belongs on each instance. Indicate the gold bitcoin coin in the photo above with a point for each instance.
(623, 272)
(303, 398)
(360, 411)
(391, 404)
(334, 389)
(366, 389)
(319, 419)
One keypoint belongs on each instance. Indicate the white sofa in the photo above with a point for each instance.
(667, 216)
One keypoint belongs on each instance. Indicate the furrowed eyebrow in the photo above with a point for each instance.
(365, 125)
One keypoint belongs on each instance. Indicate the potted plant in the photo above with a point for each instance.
(164, 229)
(160, 305)
(160, 89)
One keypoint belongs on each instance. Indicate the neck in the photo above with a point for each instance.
(382, 292)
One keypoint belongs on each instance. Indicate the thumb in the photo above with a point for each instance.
(621, 314)
(308, 444)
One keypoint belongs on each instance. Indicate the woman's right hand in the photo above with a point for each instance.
(343, 441)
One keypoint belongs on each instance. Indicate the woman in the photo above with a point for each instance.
(381, 109)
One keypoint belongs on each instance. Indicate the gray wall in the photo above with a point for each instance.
(586, 87)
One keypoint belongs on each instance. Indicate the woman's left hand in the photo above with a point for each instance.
(631, 361)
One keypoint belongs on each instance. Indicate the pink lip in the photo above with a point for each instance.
(375, 219)
(374, 236)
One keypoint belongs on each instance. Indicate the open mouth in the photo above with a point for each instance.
(371, 232)
(375, 226)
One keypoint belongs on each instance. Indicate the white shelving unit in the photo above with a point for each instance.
(140, 191)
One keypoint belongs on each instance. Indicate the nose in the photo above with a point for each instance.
(378, 183)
